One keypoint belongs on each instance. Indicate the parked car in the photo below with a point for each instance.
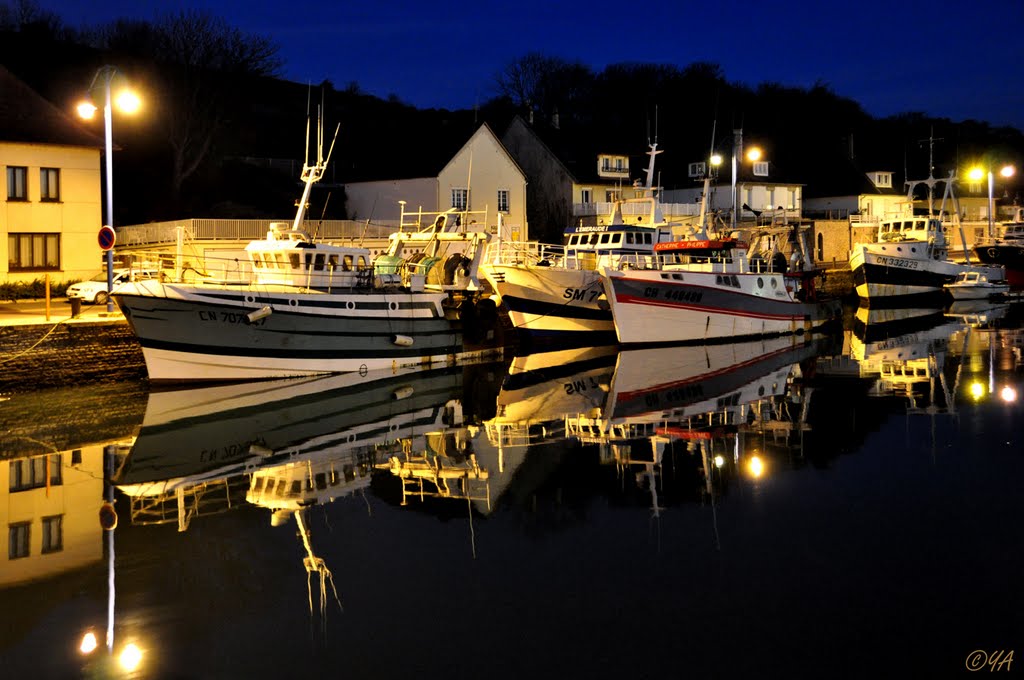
(95, 289)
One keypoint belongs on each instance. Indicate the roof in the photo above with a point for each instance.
(26, 117)
(849, 177)
(578, 153)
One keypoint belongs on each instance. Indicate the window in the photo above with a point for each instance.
(49, 184)
(883, 179)
(503, 200)
(17, 540)
(460, 199)
(761, 169)
(606, 163)
(17, 183)
(31, 473)
(53, 534)
(696, 169)
(27, 252)
(586, 196)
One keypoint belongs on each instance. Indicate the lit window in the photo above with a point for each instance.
(503, 200)
(17, 540)
(33, 252)
(53, 534)
(17, 183)
(49, 184)
(460, 199)
(31, 473)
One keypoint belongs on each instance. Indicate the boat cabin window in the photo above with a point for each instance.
(281, 263)
(617, 239)
(604, 239)
(319, 262)
(346, 263)
(361, 262)
(294, 259)
(332, 261)
(629, 238)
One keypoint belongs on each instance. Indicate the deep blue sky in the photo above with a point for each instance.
(891, 57)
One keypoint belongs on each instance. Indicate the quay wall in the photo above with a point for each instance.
(40, 356)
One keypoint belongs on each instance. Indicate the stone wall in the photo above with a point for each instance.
(41, 356)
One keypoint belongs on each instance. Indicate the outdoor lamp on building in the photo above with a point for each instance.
(977, 173)
(108, 78)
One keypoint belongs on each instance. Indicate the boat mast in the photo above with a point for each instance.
(311, 174)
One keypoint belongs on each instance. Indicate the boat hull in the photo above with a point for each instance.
(1008, 255)
(190, 332)
(884, 276)
(653, 306)
(551, 302)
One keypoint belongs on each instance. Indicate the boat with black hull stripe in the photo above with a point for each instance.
(314, 307)
(908, 263)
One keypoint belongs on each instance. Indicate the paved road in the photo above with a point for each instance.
(34, 312)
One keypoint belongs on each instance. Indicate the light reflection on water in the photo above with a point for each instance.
(837, 506)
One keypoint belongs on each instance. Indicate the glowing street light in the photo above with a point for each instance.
(752, 155)
(975, 174)
(127, 102)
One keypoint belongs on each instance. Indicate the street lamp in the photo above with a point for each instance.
(753, 155)
(976, 173)
(127, 102)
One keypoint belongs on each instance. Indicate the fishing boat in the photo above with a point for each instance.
(1005, 247)
(973, 285)
(908, 263)
(314, 307)
(555, 291)
(702, 290)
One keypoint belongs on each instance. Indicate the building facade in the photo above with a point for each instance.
(52, 211)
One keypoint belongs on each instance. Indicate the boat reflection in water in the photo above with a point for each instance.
(282, 445)
(789, 479)
(720, 403)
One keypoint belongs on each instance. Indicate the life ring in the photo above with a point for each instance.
(993, 253)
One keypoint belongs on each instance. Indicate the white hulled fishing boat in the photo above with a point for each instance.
(702, 290)
(555, 291)
(314, 307)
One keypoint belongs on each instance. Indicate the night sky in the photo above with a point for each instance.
(957, 61)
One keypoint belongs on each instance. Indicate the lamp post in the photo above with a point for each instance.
(753, 155)
(128, 102)
(975, 174)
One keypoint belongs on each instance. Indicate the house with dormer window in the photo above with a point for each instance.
(52, 212)
(856, 194)
(573, 180)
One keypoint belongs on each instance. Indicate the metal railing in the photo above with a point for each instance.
(156, 233)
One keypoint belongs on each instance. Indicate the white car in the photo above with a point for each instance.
(95, 289)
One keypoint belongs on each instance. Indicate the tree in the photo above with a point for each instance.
(201, 63)
(545, 85)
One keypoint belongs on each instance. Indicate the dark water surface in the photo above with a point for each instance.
(847, 507)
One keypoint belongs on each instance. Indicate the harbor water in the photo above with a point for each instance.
(835, 506)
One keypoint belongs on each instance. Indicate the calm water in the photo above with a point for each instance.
(843, 508)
